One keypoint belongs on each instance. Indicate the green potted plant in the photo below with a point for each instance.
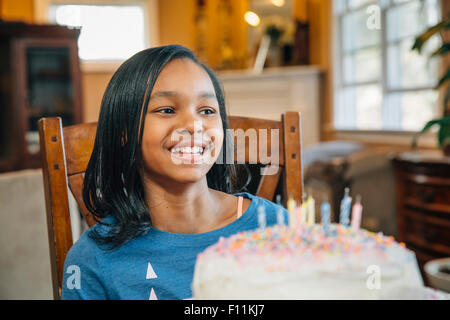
(444, 121)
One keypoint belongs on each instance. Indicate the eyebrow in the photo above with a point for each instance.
(174, 94)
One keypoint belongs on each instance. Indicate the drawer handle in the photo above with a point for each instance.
(428, 197)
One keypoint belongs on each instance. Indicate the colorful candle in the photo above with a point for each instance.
(298, 217)
(305, 210)
(291, 208)
(278, 200)
(261, 217)
(357, 213)
(325, 215)
(291, 205)
(311, 204)
(346, 203)
(280, 218)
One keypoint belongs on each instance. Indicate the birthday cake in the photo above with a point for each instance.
(309, 262)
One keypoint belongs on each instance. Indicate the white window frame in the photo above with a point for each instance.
(376, 136)
(151, 26)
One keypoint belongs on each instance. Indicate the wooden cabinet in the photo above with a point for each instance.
(423, 203)
(39, 77)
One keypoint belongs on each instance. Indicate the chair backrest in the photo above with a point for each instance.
(66, 152)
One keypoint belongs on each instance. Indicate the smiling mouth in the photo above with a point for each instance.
(196, 150)
(189, 154)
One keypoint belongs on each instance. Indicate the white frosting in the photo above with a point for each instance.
(278, 264)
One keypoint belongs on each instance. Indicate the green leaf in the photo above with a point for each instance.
(446, 101)
(444, 131)
(445, 121)
(444, 49)
(424, 37)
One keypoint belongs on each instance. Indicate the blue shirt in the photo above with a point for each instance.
(157, 265)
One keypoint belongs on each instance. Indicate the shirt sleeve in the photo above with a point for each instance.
(83, 278)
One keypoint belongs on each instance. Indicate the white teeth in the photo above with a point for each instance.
(195, 149)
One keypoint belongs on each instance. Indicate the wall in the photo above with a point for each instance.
(93, 85)
(319, 16)
(17, 10)
(176, 22)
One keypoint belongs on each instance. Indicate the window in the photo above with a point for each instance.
(380, 84)
(111, 31)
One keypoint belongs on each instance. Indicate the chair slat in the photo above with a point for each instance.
(79, 143)
(242, 126)
(293, 164)
(76, 186)
(56, 197)
(268, 183)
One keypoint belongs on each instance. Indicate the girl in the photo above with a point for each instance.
(154, 182)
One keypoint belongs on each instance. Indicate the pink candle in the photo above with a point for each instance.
(299, 217)
(357, 213)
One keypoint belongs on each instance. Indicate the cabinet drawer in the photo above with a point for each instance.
(430, 197)
(427, 232)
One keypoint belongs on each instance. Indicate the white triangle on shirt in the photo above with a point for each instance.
(150, 272)
(153, 295)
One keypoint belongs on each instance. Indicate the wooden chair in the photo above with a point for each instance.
(66, 152)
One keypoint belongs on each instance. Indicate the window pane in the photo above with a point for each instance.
(107, 32)
(339, 6)
(356, 34)
(364, 65)
(358, 3)
(411, 18)
(343, 112)
(407, 100)
(416, 108)
(400, 1)
(367, 106)
(407, 68)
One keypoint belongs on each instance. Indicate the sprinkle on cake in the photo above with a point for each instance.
(309, 243)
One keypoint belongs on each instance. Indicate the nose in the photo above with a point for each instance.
(190, 123)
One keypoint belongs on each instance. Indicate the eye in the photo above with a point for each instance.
(167, 110)
(208, 111)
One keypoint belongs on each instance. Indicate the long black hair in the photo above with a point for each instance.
(112, 182)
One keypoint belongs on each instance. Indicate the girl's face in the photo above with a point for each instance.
(183, 132)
